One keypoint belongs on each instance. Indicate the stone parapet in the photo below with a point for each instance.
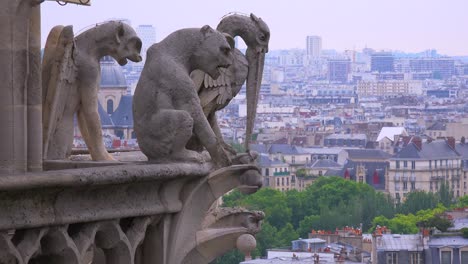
(148, 213)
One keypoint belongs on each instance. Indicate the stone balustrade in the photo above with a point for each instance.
(160, 213)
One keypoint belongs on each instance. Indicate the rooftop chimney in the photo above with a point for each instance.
(451, 142)
(417, 141)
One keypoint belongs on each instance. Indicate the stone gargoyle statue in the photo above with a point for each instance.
(71, 75)
(166, 106)
(215, 94)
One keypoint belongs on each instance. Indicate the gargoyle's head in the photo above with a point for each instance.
(128, 45)
(214, 52)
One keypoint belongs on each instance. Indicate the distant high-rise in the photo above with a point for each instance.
(382, 62)
(338, 70)
(147, 34)
(313, 47)
(441, 68)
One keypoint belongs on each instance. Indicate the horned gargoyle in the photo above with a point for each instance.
(70, 79)
(166, 106)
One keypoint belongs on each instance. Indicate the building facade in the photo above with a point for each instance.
(382, 62)
(313, 47)
(338, 70)
(425, 166)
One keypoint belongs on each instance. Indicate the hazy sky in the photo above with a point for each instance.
(408, 25)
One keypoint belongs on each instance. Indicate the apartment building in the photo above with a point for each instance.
(425, 166)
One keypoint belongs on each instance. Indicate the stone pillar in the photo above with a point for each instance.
(20, 81)
(34, 97)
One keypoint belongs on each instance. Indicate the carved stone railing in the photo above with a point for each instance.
(140, 214)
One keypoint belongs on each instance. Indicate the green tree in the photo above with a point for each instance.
(462, 202)
(419, 200)
(464, 232)
(273, 203)
(307, 224)
(266, 238)
(231, 257)
(295, 201)
(445, 194)
(233, 198)
(439, 222)
(286, 235)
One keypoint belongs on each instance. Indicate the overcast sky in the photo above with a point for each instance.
(408, 25)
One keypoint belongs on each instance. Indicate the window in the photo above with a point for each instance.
(287, 181)
(415, 258)
(413, 186)
(267, 172)
(282, 181)
(464, 257)
(110, 106)
(430, 164)
(397, 164)
(392, 258)
(320, 173)
(405, 185)
(405, 164)
(445, 257)
(413, 165)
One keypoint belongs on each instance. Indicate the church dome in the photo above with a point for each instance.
(111, 74)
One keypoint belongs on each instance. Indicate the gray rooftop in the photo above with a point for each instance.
(437, 126)
(264, 161)
(462, 149)
(347, 136)
(323, 151)
(123, 115)
(437, 149)
(325, 163)
(396, 242)
(450, 241)
(367, 154)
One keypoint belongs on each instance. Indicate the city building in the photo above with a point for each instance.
(313, 47)
(399, 248)
(424, 166)
(382, 62)
(276, 173)
(365, 166)
(441, 68)
(388, 136)
(389, 88)
(338, 70)
(147, 34)
(113, 85)
(346, 140)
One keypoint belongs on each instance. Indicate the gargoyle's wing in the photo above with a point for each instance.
(213, 93)
(58, 78)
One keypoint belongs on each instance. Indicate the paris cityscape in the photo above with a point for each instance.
(393, 120)
(301, 132)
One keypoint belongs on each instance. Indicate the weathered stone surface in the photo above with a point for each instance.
(153, 213)
(71, 77)
(216, 93)
(167, 109)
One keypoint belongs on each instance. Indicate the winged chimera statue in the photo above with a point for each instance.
(216, 94)
(71, 76)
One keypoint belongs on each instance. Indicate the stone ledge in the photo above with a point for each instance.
(94, 194)
(118, 174)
